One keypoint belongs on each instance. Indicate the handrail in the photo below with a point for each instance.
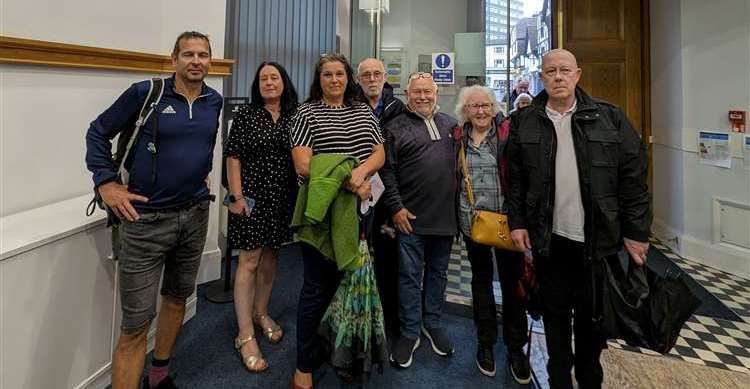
(37, 52)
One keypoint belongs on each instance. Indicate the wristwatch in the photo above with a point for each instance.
(232, 198)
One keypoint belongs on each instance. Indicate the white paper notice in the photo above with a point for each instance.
(713, 149)
(377, 189)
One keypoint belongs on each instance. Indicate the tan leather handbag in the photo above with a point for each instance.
(487, 227)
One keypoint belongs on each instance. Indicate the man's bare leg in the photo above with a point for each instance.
(127, 362)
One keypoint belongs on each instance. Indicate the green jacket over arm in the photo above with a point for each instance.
(325, 215)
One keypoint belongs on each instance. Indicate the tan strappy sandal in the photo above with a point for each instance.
(253, 363)
(269, 332)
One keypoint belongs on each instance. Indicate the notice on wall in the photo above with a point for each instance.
(713, 149)
(394, 61)
(443, 68)
(746, 151)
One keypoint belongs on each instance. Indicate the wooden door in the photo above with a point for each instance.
(610, 40)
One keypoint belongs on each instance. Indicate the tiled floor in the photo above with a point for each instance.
(704, 340)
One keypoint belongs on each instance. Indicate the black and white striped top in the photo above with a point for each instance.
(351, 130)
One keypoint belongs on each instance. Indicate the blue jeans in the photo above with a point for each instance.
(422, 302)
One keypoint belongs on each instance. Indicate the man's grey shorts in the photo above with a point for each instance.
(172, 240)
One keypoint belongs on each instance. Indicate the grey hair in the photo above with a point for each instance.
(359, 66)
(522, 96)
(464, 94)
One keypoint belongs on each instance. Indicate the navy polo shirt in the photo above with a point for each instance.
(186, 138)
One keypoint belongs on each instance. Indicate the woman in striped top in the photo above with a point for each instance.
(330, 121)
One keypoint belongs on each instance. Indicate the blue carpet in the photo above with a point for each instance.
(204, 356)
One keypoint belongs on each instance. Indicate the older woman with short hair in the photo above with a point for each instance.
(331, 121)
(484, 143)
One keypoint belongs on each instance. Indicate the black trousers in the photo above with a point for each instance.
(321, 280)
(386, 270)
(565, 281)
(483, 299)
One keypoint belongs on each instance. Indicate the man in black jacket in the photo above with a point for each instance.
(378, 94)
(420, 194)
(578, 194)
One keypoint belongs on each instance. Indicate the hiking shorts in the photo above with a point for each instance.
(171, 240)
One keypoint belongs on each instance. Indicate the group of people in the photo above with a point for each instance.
(567, 169)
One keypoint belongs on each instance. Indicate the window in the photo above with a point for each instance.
(500, 49)
(499, 63)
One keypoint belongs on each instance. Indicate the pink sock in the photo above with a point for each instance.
(157, 374)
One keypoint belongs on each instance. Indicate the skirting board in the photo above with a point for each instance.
(717, 255)
(103, 378)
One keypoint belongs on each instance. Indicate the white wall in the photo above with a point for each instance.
(699, 72)
(57, 304)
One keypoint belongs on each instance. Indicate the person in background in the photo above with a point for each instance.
(163, 208)
(376, 92)
(484, 143)
(522, 101)
(330, 121)
(522, 86)
(578, 194)
(420, 192)
(259, 166)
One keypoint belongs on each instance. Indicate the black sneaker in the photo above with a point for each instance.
(403, 351)
(166, 383)
(519, 367)
(486, 360)
(439, 341)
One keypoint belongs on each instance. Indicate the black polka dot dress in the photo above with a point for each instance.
(263, 148)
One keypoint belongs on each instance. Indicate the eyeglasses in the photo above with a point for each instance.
(369, 75)
(418, 75)
(477, 107)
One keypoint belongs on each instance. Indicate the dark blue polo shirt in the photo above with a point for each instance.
(186, 138)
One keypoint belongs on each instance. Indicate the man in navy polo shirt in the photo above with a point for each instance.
(164, 207)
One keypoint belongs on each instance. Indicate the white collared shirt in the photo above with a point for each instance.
(567, 217)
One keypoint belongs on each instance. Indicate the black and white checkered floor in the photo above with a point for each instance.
(704, 340)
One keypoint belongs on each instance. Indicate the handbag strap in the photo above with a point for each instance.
(467, 177)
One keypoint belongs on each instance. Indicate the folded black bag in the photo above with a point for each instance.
(640, 306)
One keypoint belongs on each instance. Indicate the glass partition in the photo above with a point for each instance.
(488, 42)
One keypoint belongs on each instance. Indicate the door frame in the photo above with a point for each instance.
(557, 42)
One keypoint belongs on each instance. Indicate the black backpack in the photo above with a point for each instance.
(125, 141)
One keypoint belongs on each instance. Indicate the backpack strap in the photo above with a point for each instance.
(155, 92)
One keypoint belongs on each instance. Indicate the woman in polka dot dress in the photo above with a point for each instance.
(260, 167)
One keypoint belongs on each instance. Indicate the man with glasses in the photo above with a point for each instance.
(419, 176)
(378, 94)
(578, 194)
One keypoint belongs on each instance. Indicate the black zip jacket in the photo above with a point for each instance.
(392, 106)
(612, 169)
